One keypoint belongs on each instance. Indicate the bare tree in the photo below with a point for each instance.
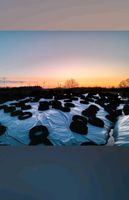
(71, 83)
(124, 83)
(59, 85)
(44, 84)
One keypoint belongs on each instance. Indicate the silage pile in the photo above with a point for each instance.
(69, 120)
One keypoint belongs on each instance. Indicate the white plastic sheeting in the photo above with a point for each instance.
(121, 131)
(57, 122)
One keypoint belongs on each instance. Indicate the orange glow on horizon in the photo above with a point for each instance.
(96, 75)
(53, 83)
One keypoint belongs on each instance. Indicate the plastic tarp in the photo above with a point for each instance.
(121, 131)
(57, 122)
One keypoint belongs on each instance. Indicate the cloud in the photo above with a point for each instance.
(6, 81)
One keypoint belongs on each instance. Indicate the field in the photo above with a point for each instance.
(78, 116)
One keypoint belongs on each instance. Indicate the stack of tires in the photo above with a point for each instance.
(39, 135)
(90, 113)
(79, 125)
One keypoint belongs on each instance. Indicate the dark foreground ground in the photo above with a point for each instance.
(22, 92)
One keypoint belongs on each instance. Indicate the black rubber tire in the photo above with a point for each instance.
(56, 104)
(35, 99)
(47, 142)
(70, 105)
(84, 102)
(68, 101)
(43, 108)
(93, 108)
(79, 118)
(108, 109)
(95, 121)
(126, 109)
(111, 118)
(26, 107)
(43, 105)
(25, 115)
(78, 127)
(16, 113)
(13, 104)
(20, 104)
(42, 134)
(9, 109)
(88, 113)
(3, 107)
(2, 129)
(65, 109)
(118, 112)
(74, 98)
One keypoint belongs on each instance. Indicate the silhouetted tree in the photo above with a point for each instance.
(124, 83)
(59, 85)
(71, 83)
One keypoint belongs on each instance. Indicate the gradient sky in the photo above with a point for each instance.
(92, 58)
(64, 14)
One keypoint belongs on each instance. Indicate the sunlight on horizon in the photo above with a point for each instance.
(54, 83)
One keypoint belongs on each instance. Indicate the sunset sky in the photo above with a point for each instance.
(92, 58)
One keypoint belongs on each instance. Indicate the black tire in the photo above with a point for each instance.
(111, 118)
(93, 108)
(126, 109)
(9, 109)
(2, 129)
(16, 113)
(108, 109)
(43, 108)
(47, 142)
(3, 107)
(70, 105)
(56, 104)
(91, 100)
(79, 118)
(38, 134)
(82, 97)
(95, 121)
(26, 107)
(88, 113)
(35, 99)
(79, 127)
(118, 112)
(65, 109)
(74, 98)
(13, 104)
(20, 104)
(43, 105)
(84, 102)
(68, 100)
(25, 115)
